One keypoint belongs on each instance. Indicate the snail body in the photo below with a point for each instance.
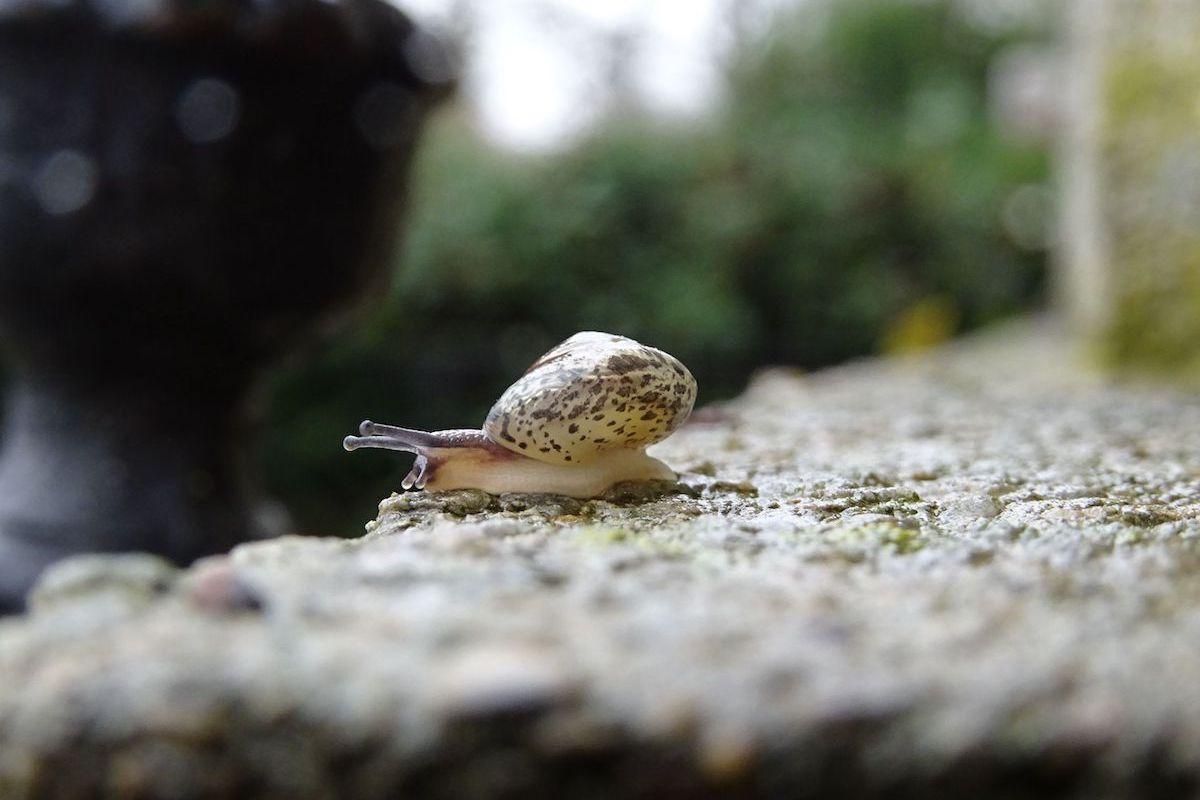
(578, 421)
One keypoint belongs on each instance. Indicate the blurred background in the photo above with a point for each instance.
(738, 182)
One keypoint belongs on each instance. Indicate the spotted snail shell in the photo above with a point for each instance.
(593, 393)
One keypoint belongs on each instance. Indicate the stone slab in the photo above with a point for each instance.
(971, 573)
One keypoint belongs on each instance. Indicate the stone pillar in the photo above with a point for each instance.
(1130, 276)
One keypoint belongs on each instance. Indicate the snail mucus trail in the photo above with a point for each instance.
(578, 421)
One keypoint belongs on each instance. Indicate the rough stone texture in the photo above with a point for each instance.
(974, 573)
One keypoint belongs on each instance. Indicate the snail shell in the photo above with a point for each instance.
(593, 393)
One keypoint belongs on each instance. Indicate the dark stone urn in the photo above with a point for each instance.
(189, 189)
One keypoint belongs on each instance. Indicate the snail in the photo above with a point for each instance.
(578, 421)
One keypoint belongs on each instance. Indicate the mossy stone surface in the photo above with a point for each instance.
(1147, 168)
(973, 573)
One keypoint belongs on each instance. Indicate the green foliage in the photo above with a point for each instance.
(853, 174)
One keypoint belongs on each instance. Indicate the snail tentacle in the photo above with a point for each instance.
(410, 440)
(381, 442)
(418, 475)
(410, 437)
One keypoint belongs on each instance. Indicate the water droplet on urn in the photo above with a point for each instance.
(208, 111)
(66, 182)
(8, 114)
(384, 115)
(428, 58)
(120, 12)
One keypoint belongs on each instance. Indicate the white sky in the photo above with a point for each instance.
(535, 67)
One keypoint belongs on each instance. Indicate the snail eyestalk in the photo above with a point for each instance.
(432, 449)
(389, 437)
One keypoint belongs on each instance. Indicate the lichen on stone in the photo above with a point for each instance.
(952, 570)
